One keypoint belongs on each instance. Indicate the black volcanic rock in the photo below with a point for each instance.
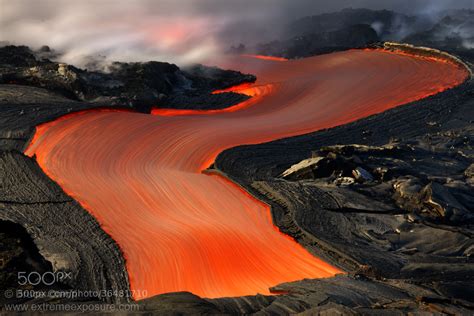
(431, 188)
(138, 82)
(18, 253)
(213, 78)
(202, 81)
(359, 35)
(17, 56)
(196, 101)
(401, 174)
(137, 86)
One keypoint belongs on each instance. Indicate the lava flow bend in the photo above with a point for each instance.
(141, 175)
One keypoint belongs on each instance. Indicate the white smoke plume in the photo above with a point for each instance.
(179, 31)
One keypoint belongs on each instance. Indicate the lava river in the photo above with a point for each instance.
(141, 175)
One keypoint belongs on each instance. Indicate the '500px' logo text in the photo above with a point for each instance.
(46, 278)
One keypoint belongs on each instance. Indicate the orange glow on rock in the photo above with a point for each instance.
(141, 175)
(256, 92)
(414, 55)
(272, 58)
(246, 88)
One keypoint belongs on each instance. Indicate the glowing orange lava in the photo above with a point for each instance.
(141, 175)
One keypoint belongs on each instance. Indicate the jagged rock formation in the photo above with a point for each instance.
(404, 175)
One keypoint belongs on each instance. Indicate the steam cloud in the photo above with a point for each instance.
(179, 31)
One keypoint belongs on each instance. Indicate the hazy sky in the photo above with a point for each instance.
(174, 30)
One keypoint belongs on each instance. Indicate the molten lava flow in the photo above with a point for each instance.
(181, 230)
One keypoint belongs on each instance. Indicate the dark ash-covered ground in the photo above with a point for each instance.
(387, 198)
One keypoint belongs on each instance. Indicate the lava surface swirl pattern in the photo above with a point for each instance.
(181, 230)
